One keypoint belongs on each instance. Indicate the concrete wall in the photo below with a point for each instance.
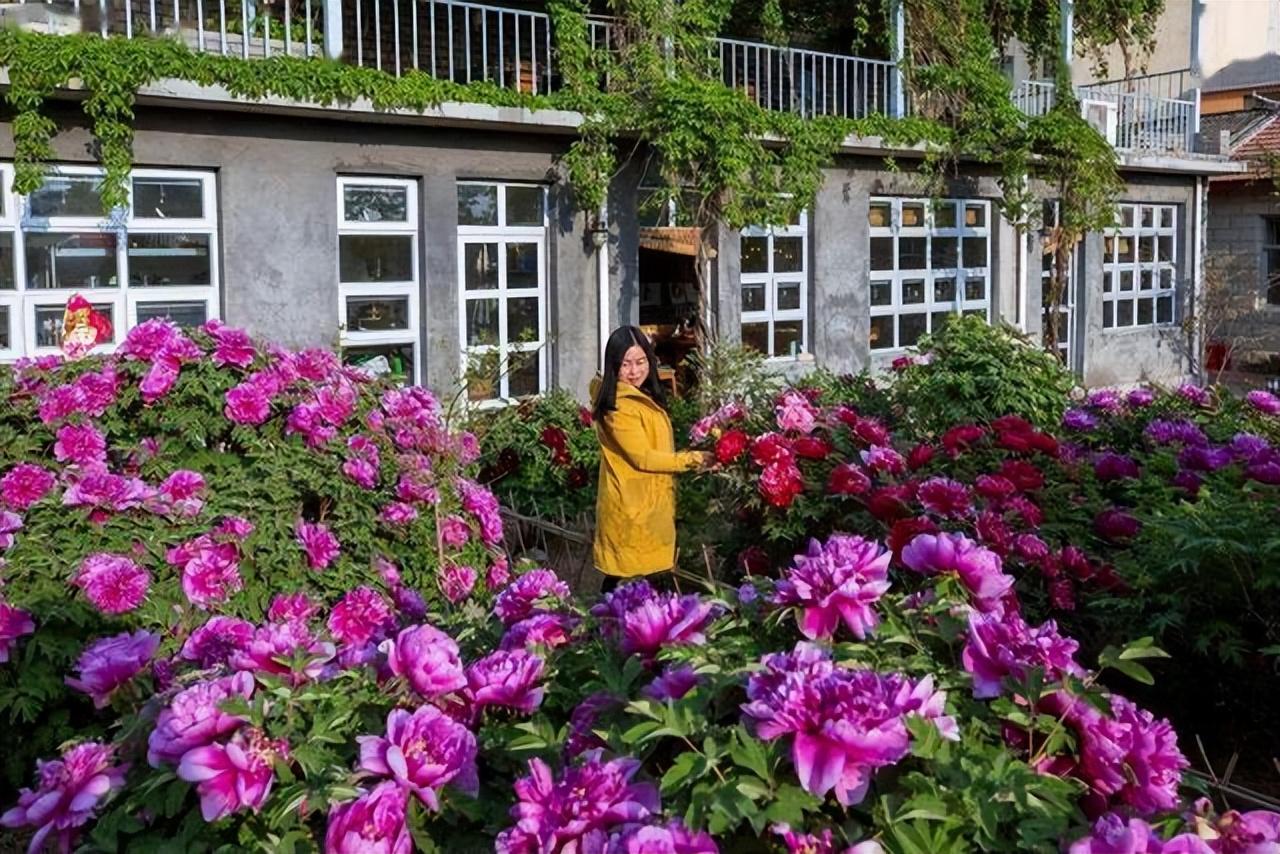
(278, 219)
(1236, 232)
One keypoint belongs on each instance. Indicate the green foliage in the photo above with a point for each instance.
(973, 373)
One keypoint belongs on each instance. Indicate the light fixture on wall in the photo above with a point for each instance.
(599, 232)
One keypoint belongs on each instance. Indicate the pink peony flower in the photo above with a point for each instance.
(506, 678)
(454, 531)
(481, 504)
(105, 493)
(216, 641)
(664, 620)
(373, 823)
(361, 616)
(285, 649)
(456, 582)
(14, 623)
(1113, 834)
(290, 607)
(24, 485)
(234, 775)
(361, 472)
(423, 751)
(883, 459)
(398, 513)
(247, 403)
(498, 575)
(944, 497)
(113, 583)
(1130, 757)
(233, 346)
(834, 583)
(180, 494)
(233, 528)
(80, 445)
(108, 663)
(10, 524)
(673, 684)
(546, 630)
(67, 795)
(820, 843)
(318, 542)
(195, 718)
(210, 571)
(671, 838)
(795, 413)
(537, 591)
(427, 658)
(978, 569)
(1004, 646)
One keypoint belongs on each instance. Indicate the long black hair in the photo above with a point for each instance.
(615, 350)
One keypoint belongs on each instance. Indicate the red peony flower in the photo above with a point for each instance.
(731, 445)
(554, 438)
(781, 482)
(811, 448)
(871, 431)
(770, 448)
(962, 438)
(906, 530)
(584, 417)
(848, 479)
(889, 503)
(1024, 475)
(578, 477)
(920, 456)
(754, 560)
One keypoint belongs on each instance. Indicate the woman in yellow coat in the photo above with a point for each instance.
(636, 504)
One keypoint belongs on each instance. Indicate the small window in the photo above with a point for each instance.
(1139, 275)
(774, 282)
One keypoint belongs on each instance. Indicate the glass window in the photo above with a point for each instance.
(188, 314)
(70, 261)
(375, 258)
(6, 260)
(67, 196)
(524, 205)
(49, 322)
(1139, 278)
(774, 281)
(477, 204)
(376, 314)
(6, 328)
(168, 198)
(170, 259)
(375, 203)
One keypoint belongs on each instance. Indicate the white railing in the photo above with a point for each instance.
(1034, 97)
(807, 82)
(1144, 121)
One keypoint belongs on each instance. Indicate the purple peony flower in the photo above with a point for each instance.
(820, 843)
(582, 722)
(482, 505)
(845, 723)
(105, 493)
(111, 662)
(373, 823)
(1265, 468)
(1263, 401)
(576, 811)
(80, 445)
(361, 616)
(1116, 525)
(284, 649)
(67, 794)
(837, 582)
(361, 472)
(456, 582)
(545, 630)
(248, 403)
(1104, 400)
(291, 607)
(674, 683)
(1131, 757)
(1004, 646)
(670, 838)
(666, 619)
(194, 718)
(1140, 398)
(14, 623)
(977, 568)
(1247, 446)
(1113, 834)
(506, 678)
(398, 513)
(113, 583)
(533, 592)
(210, 571)
(234, 775)
(423, 752)
(1195, 395)
(1080, 420)
(24, 485)
(1109, 465)
(427, 659)
(10, 524)
(454, 531)
(318, 542)
(216, 641)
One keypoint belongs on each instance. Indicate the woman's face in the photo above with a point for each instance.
(635, 366)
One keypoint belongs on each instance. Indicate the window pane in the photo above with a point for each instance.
(913, 292)
(788, 298)
(911, 253)
(1109, 248)
(944, 215)
(945, 254)
(939, 319)
(169, 259)
(756, 337)
(1106, 282)
(944, 290)
(482, 321)
(1126, 280)
(6, 260)
(477, 204)
(1124, 248)
(975, 289)
(188, 314)
(879, 215)
(1146, 279)
(524, 206)
(375, 258)
(788, 337)
(1164, 248)
(975, 252)
(481, 266)
(1166, 278)
(371, 203)
(6, 335)
(168, 198)
(1124, 313)
(754, 258)
(882, 253)
(522, 265)
(369, 314)
(912, 215)
(975, 216)
(1144, 311)
(393, 360)
(1108, 315)
(522, 320)
(753, 296)
(882, 293)
(49, 322)
(788, 254)
(1164, 310)
(1148, 216)
(85, 260)
(67, 195)
(1147, 249)
(522, 375)
(1126, 216)
(484, 375)
(911, 327)
(1166, 217)
(882, 332)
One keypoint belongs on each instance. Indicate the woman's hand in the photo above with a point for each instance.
(708, 462)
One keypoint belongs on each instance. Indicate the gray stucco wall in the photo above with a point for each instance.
(278, 220)
(1236, 233)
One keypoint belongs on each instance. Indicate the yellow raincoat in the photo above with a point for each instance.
(636, 504)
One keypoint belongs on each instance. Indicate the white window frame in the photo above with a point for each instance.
(1270, 232)
(11, 299)
(123, 299)
(1163, 274)
(960, 273)
(410, 289)
(1068, 304)
(503, 234)
(771, 279)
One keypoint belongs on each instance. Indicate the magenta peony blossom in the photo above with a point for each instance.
(820, 843)
(1005, 646)
(248, 403)
(540, 630)
(673, 684)
(361, 472)
(1109, 465)
(24, 485)
(1195, 394)
(1079, 420)
(113, 583)
(67, 794)
(179, 495)
(978, 569)
(1113, 834)
(456, 582)
(361, 616)
(845, 723)
(106, 493)
(426, 658)
(423, 752)
(234, 775)
(884, 460)
(454, 531)
(216, 641)
(671, 838)
(14, 623)
(576, 811)
(498, 575)
(195, 718)
(534, 592)
(318, 542)
(506, 678)
(944, 497)
(10, 524)
(1263, 401)
(1130, 757)
(837, 582)
(664, 620)
(481, 504)
(210, 571)
(287, 648)
(80, 445)
(108, 663)
(398, 513)
(1115, 525)
(291, 607)
(795, 413)
(233, 346)
(373, 823)
(848, 479)
(582, 723)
